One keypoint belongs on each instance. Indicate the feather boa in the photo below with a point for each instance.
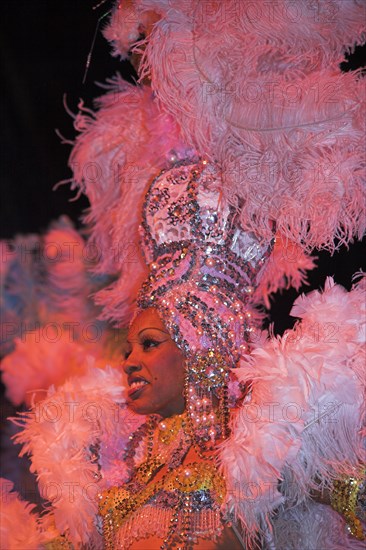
(19, 525)
(75, 438)
(302, 421)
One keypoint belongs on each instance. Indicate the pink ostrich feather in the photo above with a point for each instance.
(259, 90)
(121, 149)
(38, 363)
(286, 267)
(261, 94)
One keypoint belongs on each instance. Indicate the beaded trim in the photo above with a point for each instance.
(346, 498)
(179, 507)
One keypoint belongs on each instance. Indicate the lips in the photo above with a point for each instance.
(136, 384)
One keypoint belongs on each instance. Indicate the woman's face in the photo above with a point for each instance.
(154, 366)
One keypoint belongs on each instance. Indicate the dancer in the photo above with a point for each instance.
(247, 434)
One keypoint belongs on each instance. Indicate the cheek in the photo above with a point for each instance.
(171, 373)
(179, 379)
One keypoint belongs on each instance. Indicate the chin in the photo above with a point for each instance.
(141, 407)
(146, 408)
(136, 408)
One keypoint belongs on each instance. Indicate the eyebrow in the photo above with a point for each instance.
(154, 328)
(149, 328)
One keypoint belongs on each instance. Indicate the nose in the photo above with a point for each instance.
(130, 366)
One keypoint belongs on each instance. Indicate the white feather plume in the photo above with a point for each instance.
(302, 424)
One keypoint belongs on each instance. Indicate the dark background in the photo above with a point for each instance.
(44, 48)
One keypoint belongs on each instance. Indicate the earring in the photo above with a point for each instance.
(206, 395)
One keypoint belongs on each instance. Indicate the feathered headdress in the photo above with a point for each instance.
(258, 132)
(255, 90)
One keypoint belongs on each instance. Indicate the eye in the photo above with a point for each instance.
(127, 354)
(149, 343)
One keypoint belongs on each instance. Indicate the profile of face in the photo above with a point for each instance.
(154, 366)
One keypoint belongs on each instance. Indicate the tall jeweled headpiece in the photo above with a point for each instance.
(203, 267)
